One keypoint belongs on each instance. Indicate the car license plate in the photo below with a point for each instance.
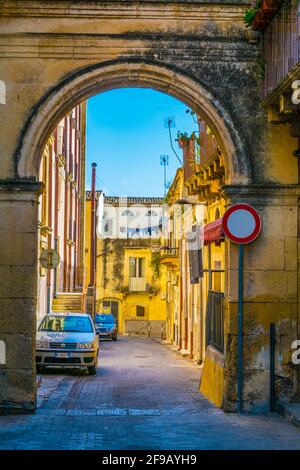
(63, 355)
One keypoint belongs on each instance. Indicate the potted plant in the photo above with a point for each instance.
(182, 139)
(252, 35)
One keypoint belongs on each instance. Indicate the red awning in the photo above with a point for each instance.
(213, 232)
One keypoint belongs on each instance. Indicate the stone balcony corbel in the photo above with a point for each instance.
(45, 230)
(61, 160)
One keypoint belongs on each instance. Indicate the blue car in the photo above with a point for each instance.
(106, 326)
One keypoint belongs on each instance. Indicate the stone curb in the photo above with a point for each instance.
(290, 412)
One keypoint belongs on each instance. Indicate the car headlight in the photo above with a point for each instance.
(43, 344)
(86, 345)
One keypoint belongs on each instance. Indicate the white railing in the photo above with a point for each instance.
(138, 284)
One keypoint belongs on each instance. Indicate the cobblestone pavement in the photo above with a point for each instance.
(144, 396)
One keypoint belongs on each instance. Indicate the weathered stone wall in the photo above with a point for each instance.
(270, 295)
(152, 328)
(18, 293)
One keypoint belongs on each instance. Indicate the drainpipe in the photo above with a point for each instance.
(56, 196)
(93, 226)
(49, 223)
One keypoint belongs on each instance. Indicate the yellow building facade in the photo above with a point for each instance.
(137, 302)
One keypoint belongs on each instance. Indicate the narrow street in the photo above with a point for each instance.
(144, 396)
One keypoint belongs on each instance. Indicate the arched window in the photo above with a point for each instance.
(127, 213)
(151, 213)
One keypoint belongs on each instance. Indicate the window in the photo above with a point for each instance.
(137, 267)
(127, 213)
(151, 214)
(140, 311)
(217, 214)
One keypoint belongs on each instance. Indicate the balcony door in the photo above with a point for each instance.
(137, 277)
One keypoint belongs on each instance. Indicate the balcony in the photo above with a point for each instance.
(281, 45)
(170, 258)
(138, 284)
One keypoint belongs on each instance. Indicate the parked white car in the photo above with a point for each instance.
(67, 340)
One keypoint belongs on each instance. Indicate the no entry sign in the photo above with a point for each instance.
(241, 223)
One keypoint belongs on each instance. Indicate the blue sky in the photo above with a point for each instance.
(126, 136)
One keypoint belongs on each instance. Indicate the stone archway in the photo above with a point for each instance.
(42, 118)
(93, 80)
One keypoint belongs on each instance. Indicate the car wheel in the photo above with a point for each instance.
(92, 370)
(114, 338)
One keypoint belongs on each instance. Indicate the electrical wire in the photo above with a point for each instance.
(171, 143)
(105, 186)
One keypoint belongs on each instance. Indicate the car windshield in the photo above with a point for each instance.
(104, 318)
(70, 323)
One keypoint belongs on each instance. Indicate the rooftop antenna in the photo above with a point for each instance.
(164, 161)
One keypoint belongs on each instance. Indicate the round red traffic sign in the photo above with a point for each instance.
(241, 223)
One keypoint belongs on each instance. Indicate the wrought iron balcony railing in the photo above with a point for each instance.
(281, 45)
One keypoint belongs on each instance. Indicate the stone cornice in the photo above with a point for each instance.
(229, 48)
(22, 185)
(119, 9)
(262, 194)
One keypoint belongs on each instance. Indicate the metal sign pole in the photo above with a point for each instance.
(240, 329)
(242, 225)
